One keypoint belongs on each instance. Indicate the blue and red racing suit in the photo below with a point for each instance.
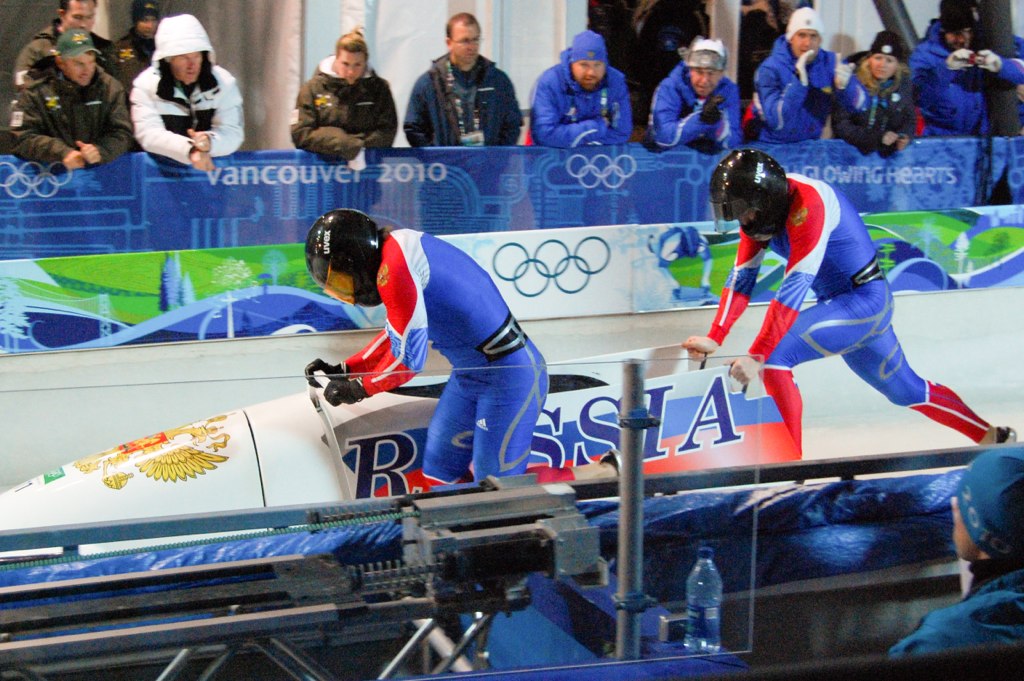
(828, 251)
(486, 415)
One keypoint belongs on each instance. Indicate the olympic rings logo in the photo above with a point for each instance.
(601, 169)
(551, 262)
(32, 178)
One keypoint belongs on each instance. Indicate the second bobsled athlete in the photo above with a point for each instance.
(828, 251)
(432, 291)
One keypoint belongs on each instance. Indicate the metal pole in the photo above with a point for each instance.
(425, 627)
(895, 18)
(629, 598)
(997, 30)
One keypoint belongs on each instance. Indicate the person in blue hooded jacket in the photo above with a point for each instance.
(949, 77)
(697, 105)
(796, 85)
(988, 532)
(463, 99)
(581, 100)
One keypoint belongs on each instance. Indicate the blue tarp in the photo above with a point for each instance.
(803, 531)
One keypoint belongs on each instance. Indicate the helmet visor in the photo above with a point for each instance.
(727, 214)
(340, 286)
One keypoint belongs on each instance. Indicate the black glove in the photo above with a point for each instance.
(711, 114)
(332, 370)
(344, 391)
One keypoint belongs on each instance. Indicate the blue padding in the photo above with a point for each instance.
(351, 545)
(804, 531)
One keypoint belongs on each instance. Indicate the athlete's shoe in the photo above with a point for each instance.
(1005, 434)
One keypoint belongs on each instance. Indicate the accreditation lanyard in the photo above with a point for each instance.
(458, 104)
(876, 101)
(574, 112)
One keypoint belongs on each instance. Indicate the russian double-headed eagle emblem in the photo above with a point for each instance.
(171, 456)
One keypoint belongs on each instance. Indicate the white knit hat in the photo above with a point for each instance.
(804, 18)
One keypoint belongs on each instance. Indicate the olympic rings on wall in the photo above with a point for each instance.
(551, 262)
(601, 169)
(32, 178)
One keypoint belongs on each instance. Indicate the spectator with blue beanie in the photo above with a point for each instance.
(581, 100)
(988, 532)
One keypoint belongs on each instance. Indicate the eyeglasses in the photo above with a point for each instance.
(962, 33)
(469, 41)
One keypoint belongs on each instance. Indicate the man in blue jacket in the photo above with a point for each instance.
(796, 84)
(697, 105)
(463, 99)
(949, 77)
(988, 532)
(581, 100)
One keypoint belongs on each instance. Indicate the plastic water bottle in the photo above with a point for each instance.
(703, 605)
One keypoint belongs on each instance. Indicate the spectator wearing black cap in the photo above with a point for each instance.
(70, 14)
(697, 105)
(988, 532)
(581, 100)
(73, 112)
(888, 124)
(949, 77)
(134, 50)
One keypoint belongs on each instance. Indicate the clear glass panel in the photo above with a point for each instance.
(121, 436)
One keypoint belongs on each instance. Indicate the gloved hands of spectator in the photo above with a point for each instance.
(960, 59)
(710, 113)
(344, 391)
(843, 73)
(801, 66)
(333, 371)
(988, 60)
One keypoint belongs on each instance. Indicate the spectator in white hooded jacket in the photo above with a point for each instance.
(184, 106)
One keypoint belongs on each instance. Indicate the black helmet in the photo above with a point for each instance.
(750, 178)
(343, 251)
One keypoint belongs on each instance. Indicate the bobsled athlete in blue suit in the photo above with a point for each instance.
(828, 251)
(432, 291)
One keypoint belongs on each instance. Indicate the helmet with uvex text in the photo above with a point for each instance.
(750, 187)
(343, 254)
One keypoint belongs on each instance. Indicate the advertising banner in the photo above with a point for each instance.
(139, 203)
(152, 297)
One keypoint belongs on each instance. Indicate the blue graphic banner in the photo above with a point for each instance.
(138, 203)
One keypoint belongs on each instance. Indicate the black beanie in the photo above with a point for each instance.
(142, 9)
(887, 42)
(956, 15)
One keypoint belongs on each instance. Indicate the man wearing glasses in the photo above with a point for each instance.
(949, 76)
(463, 99)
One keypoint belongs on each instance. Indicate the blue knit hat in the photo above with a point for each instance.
(991, 497)
(590, 46)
